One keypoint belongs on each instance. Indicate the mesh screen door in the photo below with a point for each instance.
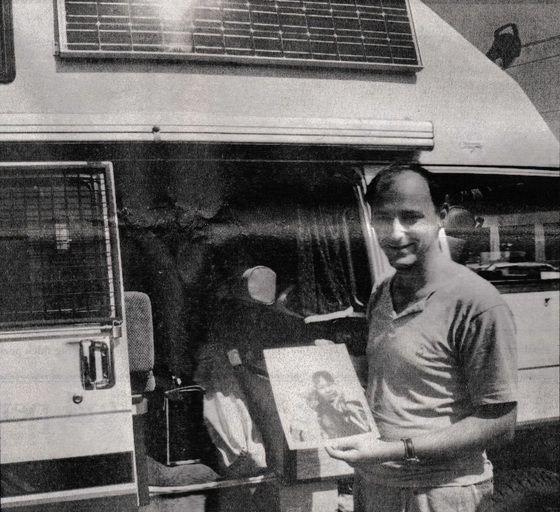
(57, 245)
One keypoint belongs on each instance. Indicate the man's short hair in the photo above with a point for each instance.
(384, 177)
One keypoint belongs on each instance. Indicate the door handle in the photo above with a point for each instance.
(96, 365)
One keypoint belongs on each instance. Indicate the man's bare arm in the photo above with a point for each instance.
(490, 425)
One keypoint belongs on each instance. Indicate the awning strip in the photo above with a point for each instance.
(370, 132)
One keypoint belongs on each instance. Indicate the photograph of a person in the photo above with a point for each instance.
(318, 395)
(337, 416)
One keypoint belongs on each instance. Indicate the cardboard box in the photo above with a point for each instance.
(310, 396)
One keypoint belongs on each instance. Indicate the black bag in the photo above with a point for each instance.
(179, 435)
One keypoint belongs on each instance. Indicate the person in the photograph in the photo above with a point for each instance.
(441, 364)
(336, 416)
(324, 412)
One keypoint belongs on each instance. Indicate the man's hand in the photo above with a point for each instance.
(490, 425)
(363, 450)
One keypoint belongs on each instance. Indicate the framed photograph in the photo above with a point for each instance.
(318, 395)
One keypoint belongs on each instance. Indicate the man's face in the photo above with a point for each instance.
(405, 220)
(326, 390)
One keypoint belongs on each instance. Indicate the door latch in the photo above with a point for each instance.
(96, 365)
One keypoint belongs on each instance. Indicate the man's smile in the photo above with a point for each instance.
(400, 247)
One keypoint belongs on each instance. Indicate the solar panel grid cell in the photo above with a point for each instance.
(338, 31)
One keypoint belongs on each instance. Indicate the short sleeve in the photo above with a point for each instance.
(489, 357)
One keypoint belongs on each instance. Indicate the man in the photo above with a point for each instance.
(441, 365)
(337, 416)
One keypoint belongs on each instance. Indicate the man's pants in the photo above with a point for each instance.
(378, 498)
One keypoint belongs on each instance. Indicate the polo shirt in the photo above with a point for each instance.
(433, 364)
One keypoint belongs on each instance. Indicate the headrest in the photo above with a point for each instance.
(459, 222)
(460, 226)
(260, 284)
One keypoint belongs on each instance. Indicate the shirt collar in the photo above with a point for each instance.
(389, 309)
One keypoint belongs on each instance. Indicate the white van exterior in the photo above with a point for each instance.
(161, 134)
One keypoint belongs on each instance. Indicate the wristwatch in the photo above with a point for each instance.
(410, 456)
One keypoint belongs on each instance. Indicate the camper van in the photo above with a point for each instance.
(182, 188)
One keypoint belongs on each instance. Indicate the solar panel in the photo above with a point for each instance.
(348, 33)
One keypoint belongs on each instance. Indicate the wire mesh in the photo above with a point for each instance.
(55, 247)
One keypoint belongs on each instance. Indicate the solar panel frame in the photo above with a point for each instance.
(363, 34)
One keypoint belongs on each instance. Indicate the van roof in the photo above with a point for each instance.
(460, 111)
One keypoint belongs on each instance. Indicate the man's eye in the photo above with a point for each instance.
(411, 218)
(381, 218)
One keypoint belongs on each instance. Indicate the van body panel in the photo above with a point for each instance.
(66, 437)
(538, 395)
(66, 413)
(463, 94)
(39, 368)
(537, 327)
(537, 316)
(123, 498)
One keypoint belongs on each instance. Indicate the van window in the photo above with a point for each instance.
(56, 259)
(515, 240)
(305, 226)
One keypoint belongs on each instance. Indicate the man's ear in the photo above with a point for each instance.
(443, 214)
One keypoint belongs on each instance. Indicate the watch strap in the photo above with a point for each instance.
(409, 450)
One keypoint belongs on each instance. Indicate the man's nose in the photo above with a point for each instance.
(397, 228)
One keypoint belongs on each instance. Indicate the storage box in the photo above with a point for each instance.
(295, 444)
